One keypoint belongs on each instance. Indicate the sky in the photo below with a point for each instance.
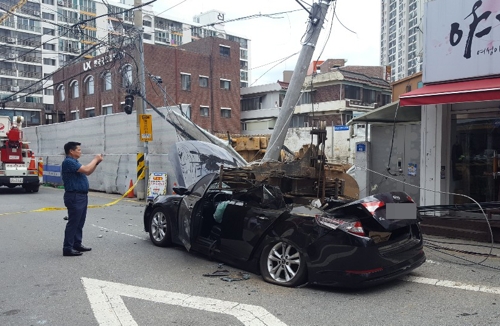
(273, 39)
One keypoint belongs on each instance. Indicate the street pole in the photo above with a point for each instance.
(316, 19)
(142, 147)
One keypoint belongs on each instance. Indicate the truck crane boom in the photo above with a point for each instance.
(12, 10)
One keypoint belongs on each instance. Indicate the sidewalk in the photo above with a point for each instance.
(461, 228)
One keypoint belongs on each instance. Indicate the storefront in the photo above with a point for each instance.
(460, 126)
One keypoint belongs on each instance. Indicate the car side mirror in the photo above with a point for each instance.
(181, 191)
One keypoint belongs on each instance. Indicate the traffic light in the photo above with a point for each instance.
(129, 104)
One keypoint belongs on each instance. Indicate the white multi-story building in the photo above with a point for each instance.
(401, 45)
(42, 36)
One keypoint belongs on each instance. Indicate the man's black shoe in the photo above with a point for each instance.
(72, 253)
(82, 248)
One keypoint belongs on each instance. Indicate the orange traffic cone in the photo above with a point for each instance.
(32, 162)
(131, 193)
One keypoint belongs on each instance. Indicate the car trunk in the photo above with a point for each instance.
(389, 234)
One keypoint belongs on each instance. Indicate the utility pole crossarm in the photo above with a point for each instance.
(316, 20)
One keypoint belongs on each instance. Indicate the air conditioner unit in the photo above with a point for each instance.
(119, 16)
(75, 50)
(12, 56)
(36, 13)
(11, 40)
(60, 2)
(14, 88)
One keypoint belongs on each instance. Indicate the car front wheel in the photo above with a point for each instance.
(159, 228)
(281, 263)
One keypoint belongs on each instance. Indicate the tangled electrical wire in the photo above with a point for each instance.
(473, 207)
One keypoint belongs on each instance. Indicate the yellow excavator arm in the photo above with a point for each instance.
(12, 9)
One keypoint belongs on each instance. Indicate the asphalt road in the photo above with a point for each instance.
(128, 279)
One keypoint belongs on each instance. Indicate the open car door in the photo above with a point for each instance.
(189, 207)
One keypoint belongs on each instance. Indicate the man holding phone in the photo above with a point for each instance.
(76, 188)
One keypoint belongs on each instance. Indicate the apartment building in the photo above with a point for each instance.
(202, 75)
(45, 35)
(401, 37)
(333, 92)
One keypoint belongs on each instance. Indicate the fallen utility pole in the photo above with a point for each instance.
(316, 20)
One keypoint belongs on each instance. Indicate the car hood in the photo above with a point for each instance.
(193, 159)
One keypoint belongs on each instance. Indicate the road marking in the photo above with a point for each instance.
(129, 235)
(110, 310)
(452, 284)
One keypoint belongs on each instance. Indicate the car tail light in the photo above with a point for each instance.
(410, 199)
(372, 206)
(354, 227)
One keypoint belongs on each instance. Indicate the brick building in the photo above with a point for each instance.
(204, 74)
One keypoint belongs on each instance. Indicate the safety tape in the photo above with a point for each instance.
(47, 209)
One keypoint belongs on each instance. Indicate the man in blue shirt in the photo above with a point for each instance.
(76, 188)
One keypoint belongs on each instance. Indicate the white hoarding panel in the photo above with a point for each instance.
(462, 39)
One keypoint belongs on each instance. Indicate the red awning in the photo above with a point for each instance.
(459, 92)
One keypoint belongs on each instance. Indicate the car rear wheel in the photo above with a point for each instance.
(283, 264)
(159, 228)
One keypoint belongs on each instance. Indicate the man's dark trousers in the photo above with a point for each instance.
(77, 212)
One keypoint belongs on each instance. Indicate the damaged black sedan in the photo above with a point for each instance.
(253, 226)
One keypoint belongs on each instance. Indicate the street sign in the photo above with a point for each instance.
(341, 128)
(361, 148)
(157, 185)
(146, 127)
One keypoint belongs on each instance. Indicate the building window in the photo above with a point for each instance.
(185, 82)
(107, 83)
(146, 23)
(203, 81)
(225, 51)
(60, 91)
(49, 62)
(127, 76)
(225, 84)
(46, 15)
(107, 109)
(75, 115)
(408, 88)
(204, 111)
(352, 92)
(49, 31)
(225, 112)
(187, 112)
(305, 98)
(90, 112)
(74, 90)
(48, 2)
(250, 104)
(369, 96)
(48, 46)
(48, 91)
(147, 36)
(243, 126)
(89, 85)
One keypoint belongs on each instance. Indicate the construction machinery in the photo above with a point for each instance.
(17, 162)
